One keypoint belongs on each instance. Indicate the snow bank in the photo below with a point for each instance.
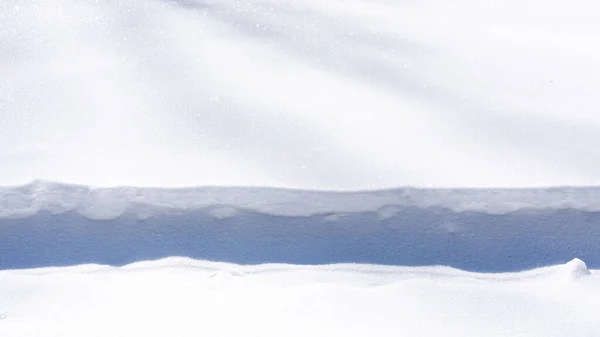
(48, 224)
(186, 297)
(353, 94)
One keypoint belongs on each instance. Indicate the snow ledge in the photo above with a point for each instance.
(109, 203)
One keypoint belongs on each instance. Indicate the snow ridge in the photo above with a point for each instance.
(109, 203)
(173, 296)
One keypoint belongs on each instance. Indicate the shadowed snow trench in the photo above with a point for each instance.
(412, 236)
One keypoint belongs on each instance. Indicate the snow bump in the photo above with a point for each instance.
(576, 269)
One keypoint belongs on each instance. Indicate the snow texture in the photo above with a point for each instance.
(304, 94)
(48, 224)
(307, 94)
(183, 297)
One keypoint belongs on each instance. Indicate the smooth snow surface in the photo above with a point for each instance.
(47, 224)
(182, 297)
(352, 94)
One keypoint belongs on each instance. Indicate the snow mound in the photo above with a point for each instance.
(576, 269)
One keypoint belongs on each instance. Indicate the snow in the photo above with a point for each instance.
(109, 203)
(576, 269)
(184, 297)
(49, 224)
(323, 109)
(304, 94)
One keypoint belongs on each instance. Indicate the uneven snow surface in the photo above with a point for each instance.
(107, 203)
(182, 297)
(302, 94)
(352, 94)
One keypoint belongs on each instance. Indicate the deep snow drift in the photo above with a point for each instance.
(305, 94)
(352, 94)
(46, 224)
(180, 297)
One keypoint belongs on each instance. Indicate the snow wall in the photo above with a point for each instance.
(46, 224)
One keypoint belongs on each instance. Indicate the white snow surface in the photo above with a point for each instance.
(108, 203)
(309, 94)
(301, 94)
(184, 297)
